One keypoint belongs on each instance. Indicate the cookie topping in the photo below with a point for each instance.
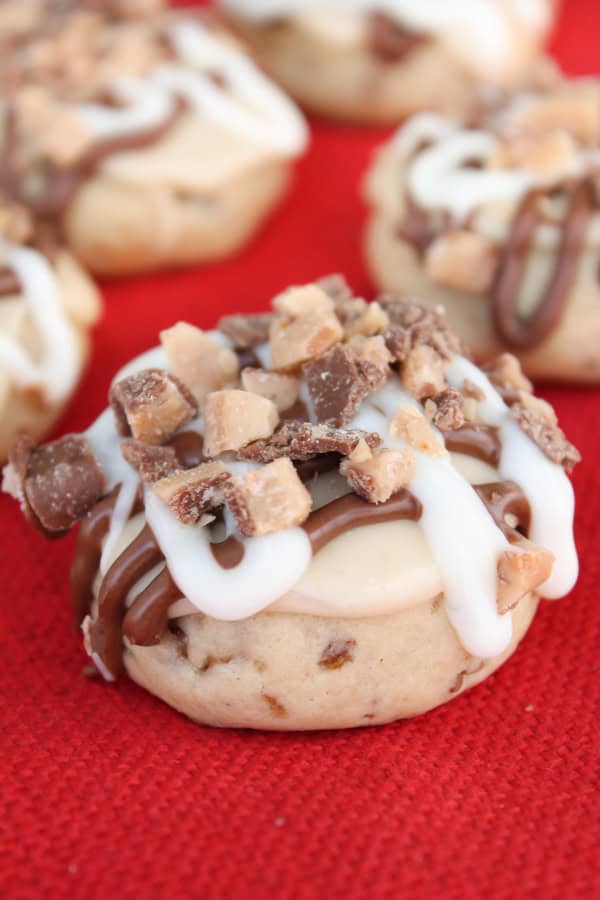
(151, 405)
(341, 378)
(233, 419)
(380, 475)
(538, 420)
(56, 484)
(446, 410)
(198, 361)
(192, 493)
(414, 324)
(295, 341)
(302, 441)
(246, 331)
(410, 425)
(151, 462)
(268, 499)
(281, 389)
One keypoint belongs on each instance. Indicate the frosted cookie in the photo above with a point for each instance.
(381, 60)
(47, 308)
(150, 141)
(321, 518)
(501, 224)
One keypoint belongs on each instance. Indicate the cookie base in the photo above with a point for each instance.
(286, 672)
(118, 228)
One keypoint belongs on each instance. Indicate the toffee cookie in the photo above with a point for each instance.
(150, 141)
(47, 308)
(501, 224)
(381, 60)
(325, 517)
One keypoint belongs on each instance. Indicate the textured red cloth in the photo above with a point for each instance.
(106, 792)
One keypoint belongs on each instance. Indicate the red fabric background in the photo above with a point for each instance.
(108, 793)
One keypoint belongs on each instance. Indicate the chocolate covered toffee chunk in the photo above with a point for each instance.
(337, 535)
(116, 116)
(381, 60)
(499, 222)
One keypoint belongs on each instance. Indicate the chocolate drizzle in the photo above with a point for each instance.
(481, 441)
(147, 619)
(88, 551)
(228, 553)
(516, 331)
(505, 498)
(105, 631)
(352, 511)
(9, 283)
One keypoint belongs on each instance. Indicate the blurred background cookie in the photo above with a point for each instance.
(150, 141)
(500, 223)
(369, 61)
(47, 308)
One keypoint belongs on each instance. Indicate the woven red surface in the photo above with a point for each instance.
(106, 792)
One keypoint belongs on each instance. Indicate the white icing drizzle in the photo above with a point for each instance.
(57, 371)
(121, 514)
(272, 564)
(439, 179)
(104, 440)
(249, 104)
(463, 539)
(546, 486)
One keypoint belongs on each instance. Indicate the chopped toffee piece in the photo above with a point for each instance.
(151, 405)
(410, 425)
(505, 373)
(268, 499)
(56, 484)
(193, 492)
(445, 410)
(303, 301)
(302, 441)
(372, 358)
(415, 323)
(235, 418)
(377, 478)
(295, 341)
(336, 287)
(201, 364)
(423, 372)
(151, 462)
(462, 261)
(538, 421)
(281, 389)
(246, 331)
(520, 571)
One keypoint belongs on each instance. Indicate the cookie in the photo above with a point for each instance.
(368, 61)
(500, 223)
(47, 307)
(326, 517)
(148, 141)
